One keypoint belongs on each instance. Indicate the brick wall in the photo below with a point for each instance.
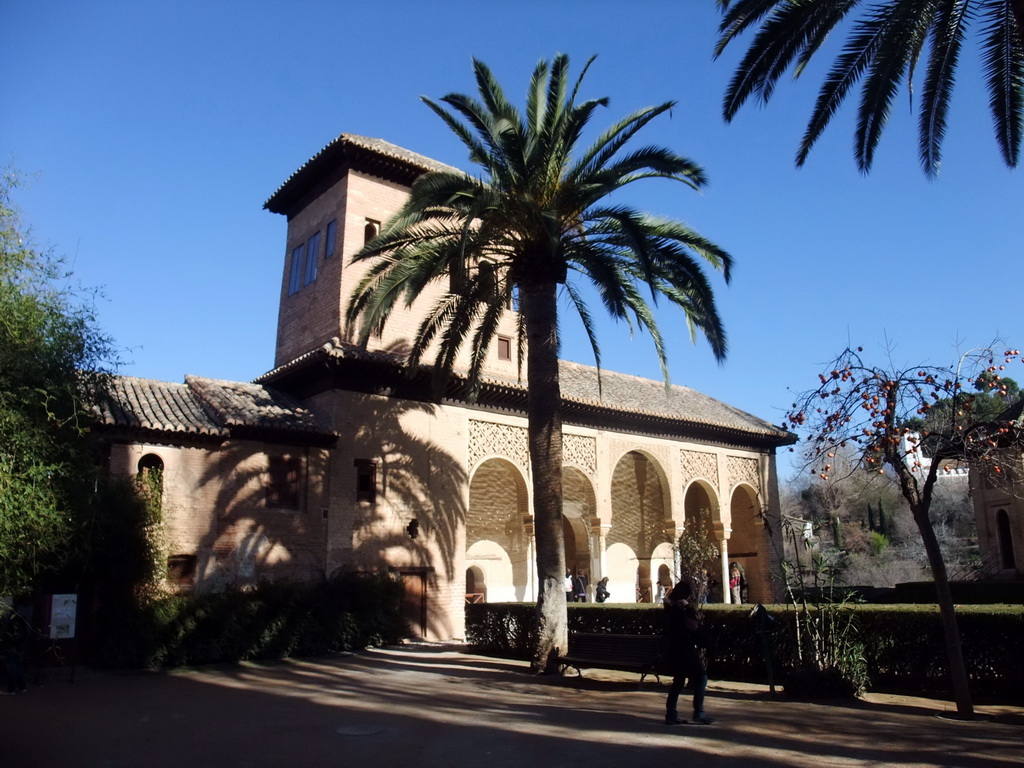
(214, 508)
(638, 520)
(315, 314)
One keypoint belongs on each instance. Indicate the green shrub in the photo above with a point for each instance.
(271, 621)
(877, 543)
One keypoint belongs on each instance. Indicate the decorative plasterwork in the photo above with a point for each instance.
(487, 439)
(659, 453)
(700, 464)
(580, 451)
(743, 470)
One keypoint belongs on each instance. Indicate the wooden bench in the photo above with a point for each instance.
(630, 653)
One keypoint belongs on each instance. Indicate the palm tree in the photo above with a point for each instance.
(884, 46)
(537, 219)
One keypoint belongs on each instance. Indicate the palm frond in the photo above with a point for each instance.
(739, 17)
(785, 34)
(947, 34)
(883, 47)
(580, 305)
(612, 140)
(854, 60)
(900, 31)
(1003, 63)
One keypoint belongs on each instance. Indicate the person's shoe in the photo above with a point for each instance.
(703, 719)
(673, 720)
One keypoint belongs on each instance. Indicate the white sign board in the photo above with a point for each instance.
(62, 616)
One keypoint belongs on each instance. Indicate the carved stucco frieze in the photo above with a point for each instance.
(659, 453)
(699, 464)
(741, 469)
(580, 451)
(489, 439)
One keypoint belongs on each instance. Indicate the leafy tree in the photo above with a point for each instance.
(698, 556)
(537, 220)
(865, 408)
(52, 360)
(992, 395)
(884, 46)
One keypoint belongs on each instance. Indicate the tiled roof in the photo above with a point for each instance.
(386, 148)
(361, 152)
(632, 394)
(620, 395)
(207, 408)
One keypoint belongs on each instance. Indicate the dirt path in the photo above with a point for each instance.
(421, 707)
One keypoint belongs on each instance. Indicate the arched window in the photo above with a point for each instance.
(150, 477)
(371, 230)
(1005, 540)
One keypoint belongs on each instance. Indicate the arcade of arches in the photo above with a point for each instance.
(623, 524)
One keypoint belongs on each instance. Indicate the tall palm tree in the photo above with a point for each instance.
(538, 218)
(884, 45)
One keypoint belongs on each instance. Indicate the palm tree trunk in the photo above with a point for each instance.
(947, 612)
(539, 308)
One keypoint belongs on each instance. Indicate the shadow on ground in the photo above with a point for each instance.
(439, 707)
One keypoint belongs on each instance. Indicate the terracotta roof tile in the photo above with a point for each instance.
(618, 392)
(345, 151)
(155, 405)
(205, 407)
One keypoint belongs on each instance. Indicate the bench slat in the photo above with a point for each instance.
(640, 653)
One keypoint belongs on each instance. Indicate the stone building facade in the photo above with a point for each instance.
(341, 458)
(999, 508)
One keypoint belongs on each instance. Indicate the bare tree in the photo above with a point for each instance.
(875, 411)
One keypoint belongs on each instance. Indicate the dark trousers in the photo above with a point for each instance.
(699, 683)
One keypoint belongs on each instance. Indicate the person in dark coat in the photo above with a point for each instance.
(684, 634)
(579, 587)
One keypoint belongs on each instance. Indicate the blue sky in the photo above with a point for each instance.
(152, 133)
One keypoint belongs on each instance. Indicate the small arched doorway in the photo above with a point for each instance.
(476, 585)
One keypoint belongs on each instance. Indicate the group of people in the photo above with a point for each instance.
(576, 588)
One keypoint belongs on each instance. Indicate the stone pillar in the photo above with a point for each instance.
(531, 560)
(599, 537)
(722, 539)
(726, 592)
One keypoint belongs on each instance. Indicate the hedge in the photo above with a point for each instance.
(903, 645)
(269, 621)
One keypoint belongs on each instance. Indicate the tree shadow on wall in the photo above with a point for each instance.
(421, 501)
(245, 541)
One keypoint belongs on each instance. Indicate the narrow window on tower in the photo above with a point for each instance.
(295, 274)
(312, 252)
(332, 233)
(366, 480)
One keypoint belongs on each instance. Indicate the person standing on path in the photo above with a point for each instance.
(684, 633)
